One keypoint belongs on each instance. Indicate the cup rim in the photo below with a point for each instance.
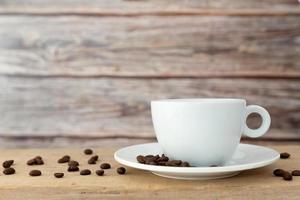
(200, 100)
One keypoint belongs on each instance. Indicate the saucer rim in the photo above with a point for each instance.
(221, 169)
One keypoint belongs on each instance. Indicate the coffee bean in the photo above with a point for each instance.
(73, 168)
(278, 172)
(73, 163)
(105, 166)
(100, 172)
(185, 164)
(284, 155)
(85, 172)
(64, 159)
(287, 176)
(296, 172)
(163, 158)
(9, 171)
(38, 160)
(121, 170)
(31, 162)
(140, 159)
(214, 166)
(93, 160)
(59, 175)
(7, 163)
(88, 151)
(161, 163)
(35, 173)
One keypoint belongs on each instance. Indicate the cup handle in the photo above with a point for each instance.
(266, 121)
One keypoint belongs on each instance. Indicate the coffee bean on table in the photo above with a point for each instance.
(287, 176)
(35, 173)
(59, 175)
(7, 163)
(64, 159)
(296, 172)
(9, 171)
(278, 172)
(105, 166)
(121, 170)
(73, 163)
(38, 160)
(284, 155)
(140, 159)
(93, 160)
(100, 172)
(73, 169)
(88, 151)
(85, 172)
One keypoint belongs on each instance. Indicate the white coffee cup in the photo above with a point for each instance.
(204, 132)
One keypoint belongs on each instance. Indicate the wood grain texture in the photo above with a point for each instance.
(136, 184)
(120, 107)
(150, 46)
(153, 7)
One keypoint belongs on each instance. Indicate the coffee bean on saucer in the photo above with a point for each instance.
(296, 172)
(141, 159)
(9, 171)
(85, 172)
(121, 170)
(278, 172)
(284, 155)
(59, 175)
(214, 166)
(73, 168)
(88, 151)
(7, 163)
(100, 172)
(185, 164)
(173, 163)
(64, 159)
(73, 163)
(35, 173)
(105, 166)
(163, 158)
(287, 176)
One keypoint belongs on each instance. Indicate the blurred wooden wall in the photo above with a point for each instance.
(71, 71)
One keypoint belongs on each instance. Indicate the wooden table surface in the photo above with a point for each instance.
(136, 184)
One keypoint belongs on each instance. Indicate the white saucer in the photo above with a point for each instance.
(246, 157)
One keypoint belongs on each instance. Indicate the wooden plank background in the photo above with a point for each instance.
(78, 69)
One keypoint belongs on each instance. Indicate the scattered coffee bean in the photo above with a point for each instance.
(85, 172)
(284, 155)
(278, 172)
(140, 159)
(38, 160)
(121, 170)
(35, 173)
(7, 163)
(9, 171)
(73, 163)
(73, 169)
(59, 175)
(287, 176)
(174, 163)
(88, 151)
(64, 159)
(105, 166)
(100, 172)
(296, 172)
(93, 159)
(214, 166)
